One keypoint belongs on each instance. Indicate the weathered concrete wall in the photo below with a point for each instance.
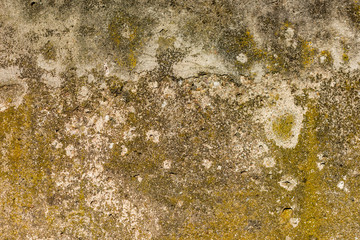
(163, 119)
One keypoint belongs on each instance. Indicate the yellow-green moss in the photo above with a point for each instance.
(328, 58)
(282, 126)
(301, 163)
(290, 57)
(307, 53)
(312, 205)
(275, 63)
(345, 48)
(19, 169)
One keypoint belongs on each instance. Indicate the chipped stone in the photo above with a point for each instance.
(288, 182)
(153, 135)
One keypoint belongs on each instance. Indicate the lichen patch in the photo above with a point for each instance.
(283, 120)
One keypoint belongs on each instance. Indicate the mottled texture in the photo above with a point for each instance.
(188, 119)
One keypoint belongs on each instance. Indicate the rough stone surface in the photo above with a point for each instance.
(187, 119)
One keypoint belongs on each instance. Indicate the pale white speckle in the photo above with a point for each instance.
(180, 203)
(219, 167)
(106, 69)
(207, 164)
(269, 162)
(242, 58)
(169, 93)
(111, 145)
(57, 144)
(259, 149)
(139, 178)
(70, 151)
(164, 104)
(153, 85)
(131, 109)
(205, 101)
(102, 86)
(322, 59)
(91, 78)
(99, 125)
(153, 135)
(83, 93)
(124, 150)
(129, 135)
(126, 32)
(216, 84)
(294, 222)
(258, 72)
(289, 33)
(341, 185)
(320, 165)
(167, 164)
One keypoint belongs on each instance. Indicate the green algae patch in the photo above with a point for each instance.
(282, 126)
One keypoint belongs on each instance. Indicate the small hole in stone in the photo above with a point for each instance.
(32, 3)
(286, 209)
